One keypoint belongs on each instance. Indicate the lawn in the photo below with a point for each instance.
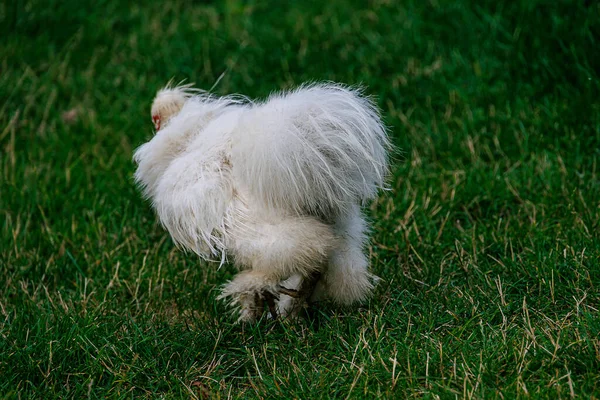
(487, 241)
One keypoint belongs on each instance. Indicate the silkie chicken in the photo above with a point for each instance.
(274, 186)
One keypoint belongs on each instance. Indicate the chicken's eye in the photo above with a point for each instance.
(156, 121)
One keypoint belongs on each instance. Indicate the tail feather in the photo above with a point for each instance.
(318, 149)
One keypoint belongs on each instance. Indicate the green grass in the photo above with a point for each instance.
(487, 243)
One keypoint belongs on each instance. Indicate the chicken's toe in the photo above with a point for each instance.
(251, 293)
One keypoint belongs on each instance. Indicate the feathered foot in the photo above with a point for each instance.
(252, 292)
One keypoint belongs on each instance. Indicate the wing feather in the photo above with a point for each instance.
(191, 202)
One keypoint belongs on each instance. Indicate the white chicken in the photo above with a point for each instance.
(274, 186)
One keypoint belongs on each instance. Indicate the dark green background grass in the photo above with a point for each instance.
(487, 241)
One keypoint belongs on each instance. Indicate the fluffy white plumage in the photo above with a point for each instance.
(276, 186)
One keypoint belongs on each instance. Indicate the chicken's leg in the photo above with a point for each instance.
(277, 250)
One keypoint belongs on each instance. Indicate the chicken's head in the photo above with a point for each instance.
(167, 103)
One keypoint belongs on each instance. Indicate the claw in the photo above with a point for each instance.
(258, 304)
(289, 292)
(270, 298)
(299, 296)
(254, 295)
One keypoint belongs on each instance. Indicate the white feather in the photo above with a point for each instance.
(184, 171)
(319, 150)
(276, 184)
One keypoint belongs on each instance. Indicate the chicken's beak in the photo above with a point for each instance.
(156, 121)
